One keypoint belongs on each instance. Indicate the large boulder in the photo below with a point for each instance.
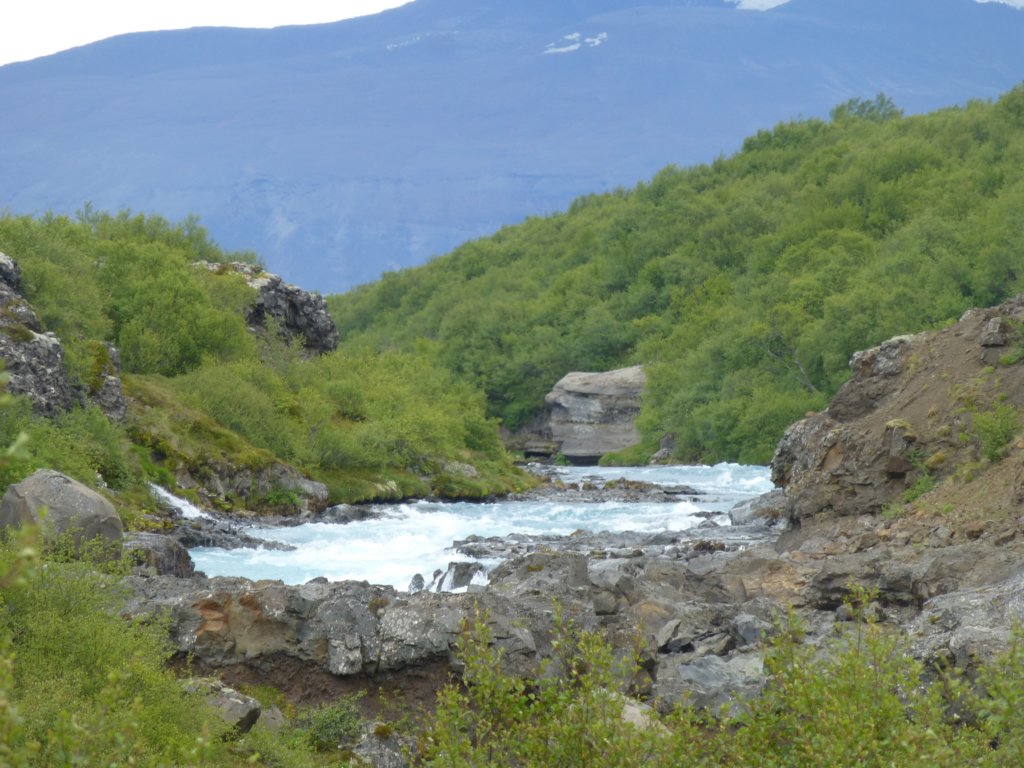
(64, 507)
(591, 414)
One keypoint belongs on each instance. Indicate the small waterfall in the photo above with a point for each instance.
(185, 507)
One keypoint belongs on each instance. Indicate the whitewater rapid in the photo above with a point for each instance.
(417, 537)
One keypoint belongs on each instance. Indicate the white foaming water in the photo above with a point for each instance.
(417, 537)
(184, 506)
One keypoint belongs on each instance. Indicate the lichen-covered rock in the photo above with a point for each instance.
(236, 709)
(345, 628)
(105, 390)
(221, 481)
(63, 507)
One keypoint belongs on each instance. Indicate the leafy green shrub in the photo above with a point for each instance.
(924, 483)
(88, 687)
(571, 714)
(82, 443)
(995, 428)
(333, 724)
(859, 700)
(1002, 706)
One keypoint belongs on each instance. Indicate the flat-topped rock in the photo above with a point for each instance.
(591, 414)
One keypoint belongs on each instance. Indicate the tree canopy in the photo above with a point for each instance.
(743, 285)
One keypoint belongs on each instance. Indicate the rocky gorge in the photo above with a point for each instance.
(903, 486)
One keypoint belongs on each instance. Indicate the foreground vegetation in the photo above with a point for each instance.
(861, 701)
(743, 286)
(81, 686)
(208, 393)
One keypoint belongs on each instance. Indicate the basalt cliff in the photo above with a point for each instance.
(909, 484)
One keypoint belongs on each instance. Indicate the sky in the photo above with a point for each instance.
(33, 28)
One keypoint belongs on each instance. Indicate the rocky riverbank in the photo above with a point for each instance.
(890, 488)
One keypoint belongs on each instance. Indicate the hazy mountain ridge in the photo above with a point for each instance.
(337, 151)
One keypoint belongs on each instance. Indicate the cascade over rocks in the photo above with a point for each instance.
(300, 314)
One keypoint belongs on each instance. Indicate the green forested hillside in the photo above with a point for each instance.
(744, 285)
(207, 392)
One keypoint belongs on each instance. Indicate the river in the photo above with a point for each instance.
(417, 537)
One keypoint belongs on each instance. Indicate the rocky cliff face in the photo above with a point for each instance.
(34, 360)
(591, 414)
(299, 314)
(918, 410)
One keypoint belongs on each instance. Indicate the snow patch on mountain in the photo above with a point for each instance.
(757, 5)
(419, 38)
(574, 41)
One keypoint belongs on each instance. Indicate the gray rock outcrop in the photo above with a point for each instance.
(34, 361)
(908, 414)
(159, 554)
(344, 628)
(106, 391)
(64, 507)
(299, 314)
(591, 414)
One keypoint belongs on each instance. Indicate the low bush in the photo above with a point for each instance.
(81, 686)
(333, 725)
(859, 700)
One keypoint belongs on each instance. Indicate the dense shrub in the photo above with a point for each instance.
(81, 686)
(360, 420)
(82, 443)
(333, 725)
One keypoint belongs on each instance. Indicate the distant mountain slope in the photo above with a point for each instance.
(743, 286)
(338, 151)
